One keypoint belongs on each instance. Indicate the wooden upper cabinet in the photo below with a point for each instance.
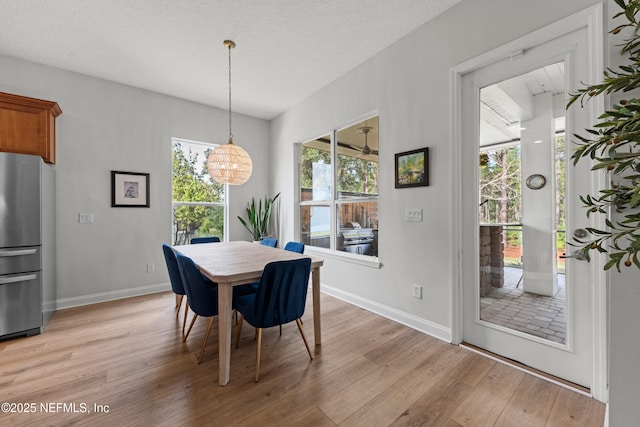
(28, 126)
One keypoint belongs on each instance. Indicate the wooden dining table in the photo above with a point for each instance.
(236, 263)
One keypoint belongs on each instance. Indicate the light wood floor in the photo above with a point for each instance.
(128, 357)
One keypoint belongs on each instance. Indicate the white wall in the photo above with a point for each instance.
(408, 85)
(106, 126)
(624, 303)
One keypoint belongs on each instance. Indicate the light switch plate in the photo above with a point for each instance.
(85, 218)
(414, 215)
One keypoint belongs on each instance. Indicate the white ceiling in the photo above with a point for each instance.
(286, 49)
(504, 105)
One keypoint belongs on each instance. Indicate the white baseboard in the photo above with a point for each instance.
(414, 322)
(111, 295)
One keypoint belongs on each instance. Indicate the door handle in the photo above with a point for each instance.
(577, 255)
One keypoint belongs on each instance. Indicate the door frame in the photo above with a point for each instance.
(592, 19)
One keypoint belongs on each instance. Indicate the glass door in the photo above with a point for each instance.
(521, 298)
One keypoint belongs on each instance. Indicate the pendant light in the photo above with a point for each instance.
(229, 163)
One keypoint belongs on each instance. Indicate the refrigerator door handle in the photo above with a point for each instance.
(15, 279)
(17, 252)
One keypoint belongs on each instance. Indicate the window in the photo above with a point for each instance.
(339, 206)
(199, 203)
(501, 196)
(561, 194)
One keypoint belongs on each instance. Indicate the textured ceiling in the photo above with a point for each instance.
(286, 49)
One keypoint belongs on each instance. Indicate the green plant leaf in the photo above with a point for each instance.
(258, 216)
(613, 145)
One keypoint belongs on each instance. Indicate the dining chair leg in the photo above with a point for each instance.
(178, 305)
(259, 332)
(299, 323)
(280, 329)
(206, 338)
(190, 326)
(239, 331)
(184, 321)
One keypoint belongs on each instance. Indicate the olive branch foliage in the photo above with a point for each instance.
(614, 145)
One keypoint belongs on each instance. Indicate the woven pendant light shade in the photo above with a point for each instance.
(229, 164)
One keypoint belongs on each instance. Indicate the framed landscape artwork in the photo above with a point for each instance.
(412, 168)
(129, 190)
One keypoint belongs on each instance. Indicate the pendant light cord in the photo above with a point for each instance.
(230, 133)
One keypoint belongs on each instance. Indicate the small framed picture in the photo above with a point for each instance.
(129, 190)
(412, 168)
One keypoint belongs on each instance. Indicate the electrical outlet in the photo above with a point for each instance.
(151, 268)
(414, 215)
(85, 218)
(417, 291)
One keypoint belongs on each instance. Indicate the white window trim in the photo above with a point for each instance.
(365, 260)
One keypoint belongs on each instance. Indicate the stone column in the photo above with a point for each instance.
(491, 258)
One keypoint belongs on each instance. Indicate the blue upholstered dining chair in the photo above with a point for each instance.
(294, 247)
(268, 241)
(290, 246)
(208, 239)
(201, 296)
(176, 280)
(281, 298)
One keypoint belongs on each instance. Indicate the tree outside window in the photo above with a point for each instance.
(199, 205)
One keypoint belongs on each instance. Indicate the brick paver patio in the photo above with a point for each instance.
(513, 308)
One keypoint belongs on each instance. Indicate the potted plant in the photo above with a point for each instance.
(614, 144)
(258, 215)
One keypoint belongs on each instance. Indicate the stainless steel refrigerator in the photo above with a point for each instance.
(27, 244)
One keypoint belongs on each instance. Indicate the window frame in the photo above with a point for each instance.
(224, 204)
(334, 201)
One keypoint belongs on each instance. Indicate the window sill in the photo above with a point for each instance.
(367, 261)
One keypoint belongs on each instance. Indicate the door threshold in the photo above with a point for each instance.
(529, 370)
